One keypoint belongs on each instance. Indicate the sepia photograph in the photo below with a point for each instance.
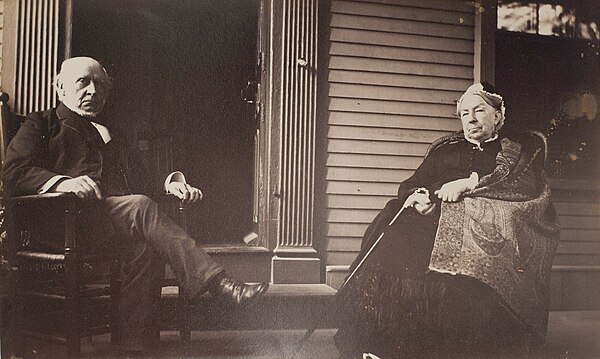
(300, 179)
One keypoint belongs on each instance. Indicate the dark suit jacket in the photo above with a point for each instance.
(60, 142)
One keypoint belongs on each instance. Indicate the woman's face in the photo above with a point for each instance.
(478, 118)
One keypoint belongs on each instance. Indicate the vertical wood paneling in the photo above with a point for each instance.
(395, 71)
(299, 50)
(37, 55)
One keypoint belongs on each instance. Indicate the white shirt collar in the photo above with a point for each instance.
(103, 131)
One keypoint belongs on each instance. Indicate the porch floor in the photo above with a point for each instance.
(571, 335)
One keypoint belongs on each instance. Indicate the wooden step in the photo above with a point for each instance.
(284, 306)
(575, 287)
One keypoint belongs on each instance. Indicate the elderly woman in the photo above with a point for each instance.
(464, 270)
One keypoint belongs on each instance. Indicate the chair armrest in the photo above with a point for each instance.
(39, 222)
(177, 208)
(172, 199)
(26, 208)
(42, 198)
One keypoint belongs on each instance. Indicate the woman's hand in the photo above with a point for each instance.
(451, 191)
(420, 201)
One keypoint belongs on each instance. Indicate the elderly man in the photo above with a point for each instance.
(464, 270)
(71, 148)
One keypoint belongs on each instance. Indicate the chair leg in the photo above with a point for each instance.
(73, 332)
(73, 329)
(153, 335)
(72, 283)
(72, 306)
(73, 347)
(185, 335)
(115, 299)
(185, 332)
(16, 325)
(153, 332)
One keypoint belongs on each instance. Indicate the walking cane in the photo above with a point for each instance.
(316, 324)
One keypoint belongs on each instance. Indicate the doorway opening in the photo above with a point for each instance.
(178, 69)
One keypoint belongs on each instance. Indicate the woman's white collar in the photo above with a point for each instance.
(478, 144)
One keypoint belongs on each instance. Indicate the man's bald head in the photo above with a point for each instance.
(83, 85)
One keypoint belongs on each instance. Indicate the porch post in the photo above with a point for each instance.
(295, 259)
(486, 22)
(31, 52)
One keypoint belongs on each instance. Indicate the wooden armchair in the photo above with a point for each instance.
(63, 295)
(66, 295)
(58, 295)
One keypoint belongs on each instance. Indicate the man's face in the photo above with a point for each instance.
(83, 86)
(478, 118)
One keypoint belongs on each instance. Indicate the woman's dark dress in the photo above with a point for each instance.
(393, 307)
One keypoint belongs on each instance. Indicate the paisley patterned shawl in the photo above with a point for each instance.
(504, 234)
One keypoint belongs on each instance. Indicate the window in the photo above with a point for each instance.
(548, 69)
(567, 19)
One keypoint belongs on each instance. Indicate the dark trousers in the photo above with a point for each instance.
(148, 239)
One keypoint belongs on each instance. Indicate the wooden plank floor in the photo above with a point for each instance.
(571, 335)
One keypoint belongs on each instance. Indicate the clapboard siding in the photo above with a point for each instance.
(357, 202)
(577, 209)
(579, 222)
(399, 67)
(351, 216)
(396, 80)
(338, 258)
(383, 134)
(404, 13)
(367, 174)
(408, 41)
(355, 230)
(440, 30)
(586, 247)
(340, 244)
(576, 234)
(373, 161)
(390, 121)
(449, 5)
(576, 198)
(395, 70)
(358, 91)
(579, 259)
(391, 107)
(361, 146)
(405, 54)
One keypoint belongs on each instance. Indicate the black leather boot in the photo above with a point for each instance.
(237, 292)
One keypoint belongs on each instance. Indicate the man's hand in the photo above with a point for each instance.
(451, 191)
(184, 192)
(420, 200)
(83, 187)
